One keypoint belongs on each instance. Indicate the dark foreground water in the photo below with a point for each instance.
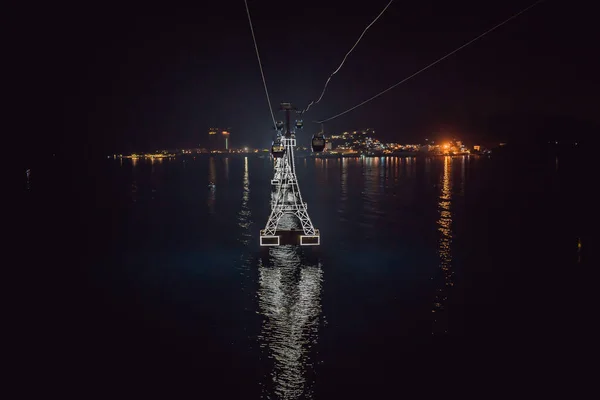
(450, 274)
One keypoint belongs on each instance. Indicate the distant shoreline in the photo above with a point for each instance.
(302, 155)
(403, 154)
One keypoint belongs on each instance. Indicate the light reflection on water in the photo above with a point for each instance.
(289, 299)
(463, 180)
(383, 172)
(397, 169)
(245, 214)
(410, 166)
(444, 222)
(280, 308)
(343, 189)
(212, 178)
(371, 193)
(157, 176)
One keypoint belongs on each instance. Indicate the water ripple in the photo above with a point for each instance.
(289, 299)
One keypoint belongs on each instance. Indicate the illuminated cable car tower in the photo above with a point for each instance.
(286, 199)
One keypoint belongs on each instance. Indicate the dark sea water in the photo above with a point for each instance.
(445, 274)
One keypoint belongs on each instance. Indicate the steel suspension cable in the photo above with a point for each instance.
(430, 65)
(345, 57)
(259, 63)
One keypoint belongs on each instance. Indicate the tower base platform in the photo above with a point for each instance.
(294, 237)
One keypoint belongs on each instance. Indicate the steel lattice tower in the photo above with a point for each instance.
(286, 199)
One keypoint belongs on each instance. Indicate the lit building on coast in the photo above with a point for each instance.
(364, 142)
(218, 140)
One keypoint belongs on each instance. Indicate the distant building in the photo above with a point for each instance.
(225, 139)
(362, 140)
(218, 139)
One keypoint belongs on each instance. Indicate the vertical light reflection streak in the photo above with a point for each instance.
(226, 161)
(289, 299)
(343, 189)
(320, 171)
(153, 178)
(412, 165)
(134, 186)
(444, 222)
(383, 171)
(245, 214)
(370, 194)
(462, 175)
(245, 223)
(365, 194)
(212, 178)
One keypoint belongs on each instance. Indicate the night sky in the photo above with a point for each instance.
(103, 78)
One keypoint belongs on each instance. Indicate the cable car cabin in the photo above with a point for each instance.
(279, 125)
(318, 143)
(277, 150)
(299, 124)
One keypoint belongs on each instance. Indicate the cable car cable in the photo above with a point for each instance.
(430, 65)
(346, 56)
(259, 63)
